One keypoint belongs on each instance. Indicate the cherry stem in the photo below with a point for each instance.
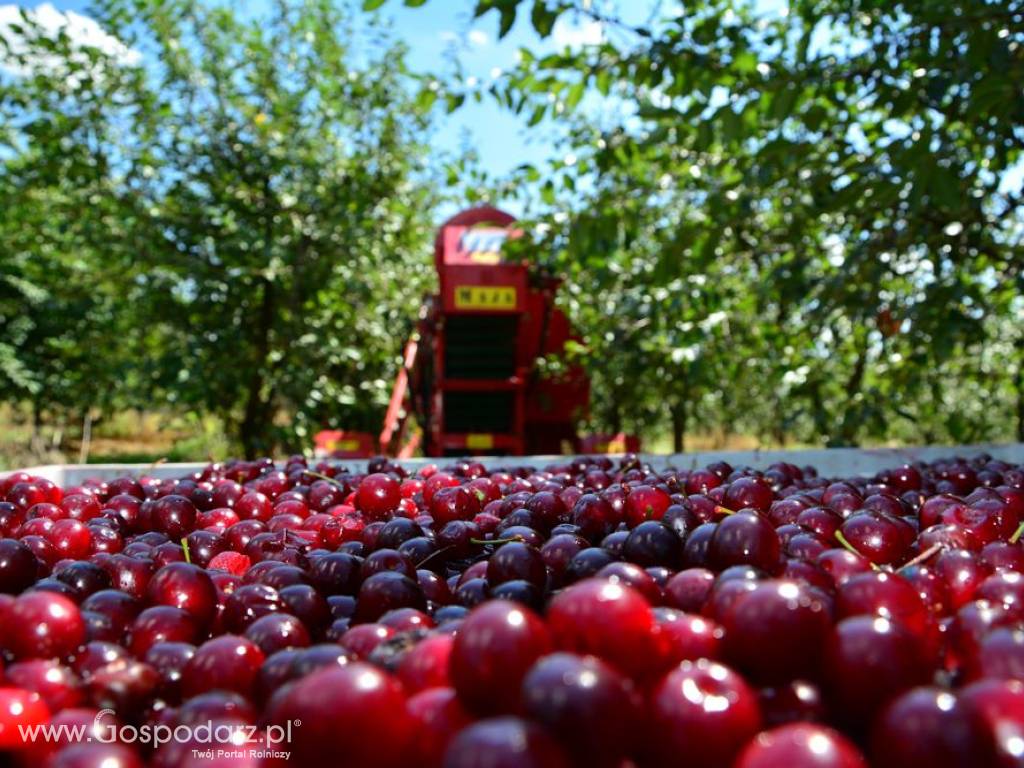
(926, 555)
(328, 478)
(432, 555)
(1017, 534)
(848, 546)
(484, 542)
(184, 546)
(724, 511)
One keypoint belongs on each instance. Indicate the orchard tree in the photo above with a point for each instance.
(220, 211)
(290, 212)
(66, 226)
(845, 162)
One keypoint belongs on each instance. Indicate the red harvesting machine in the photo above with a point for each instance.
(469, 373)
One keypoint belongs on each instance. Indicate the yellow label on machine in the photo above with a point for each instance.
(485, 257)
(479, 442)
(496, 297)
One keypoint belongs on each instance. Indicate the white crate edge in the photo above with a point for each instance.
(831, 462)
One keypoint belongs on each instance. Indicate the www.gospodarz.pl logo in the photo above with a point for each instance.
(209, 739)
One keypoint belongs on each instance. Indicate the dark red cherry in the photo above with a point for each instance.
(748, 492)
(776, 632)
(792, 701)
(43, 625)
(504, 742)
(801, 744)
(18, 567)
(701, 709)
(227, 662)
(1000, 706)
(609, 620)
(745, 538)
(494, 647)
(930, 726)
(378, 495)
(184, 586)
(174, 516)
(869, 660)
(590, 706)
(277, 631)
(351, 715)
(437, 716)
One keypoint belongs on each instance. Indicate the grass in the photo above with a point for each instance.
(144, 437)
(124, 438)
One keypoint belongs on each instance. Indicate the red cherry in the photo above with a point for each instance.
(71, 538)
(18, 566)
(44, 625)
(803, 745)
(160, 624)
(57, 684)
(884, 594)
(1001, 655)
(702, 710)
(793, 701)
(776, 632)
(504, 742)
(453, 503)
(95, 756)
(350, 715)
(227, 663)
(80, 506)
(184, 586)
(609, 620)
(378, 495)
(361, 640)
(688, 590)
(841, 564)
(494, 647)
(19, 709)
(426, 664)
(1000, 705)
(745, 539)
(277, 631)
(645, 503)
(437, 716)
(868, 661)
(749, 492)
(174, 516)
(876, 536)
(962, 572)
(591, 708)
(688, 636)
(930, 726)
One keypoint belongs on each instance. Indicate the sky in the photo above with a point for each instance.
(500, 138)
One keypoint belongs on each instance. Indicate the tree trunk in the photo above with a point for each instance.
(36, 442)
(253, 429)
(615, 414)
(679, 418)
(849, 424)
(1018, 383)
(86, 444)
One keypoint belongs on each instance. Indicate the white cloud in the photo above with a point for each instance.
(566, 34)
(81, 30)
(475, 38)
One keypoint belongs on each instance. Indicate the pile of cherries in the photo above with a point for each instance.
(593, 613)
